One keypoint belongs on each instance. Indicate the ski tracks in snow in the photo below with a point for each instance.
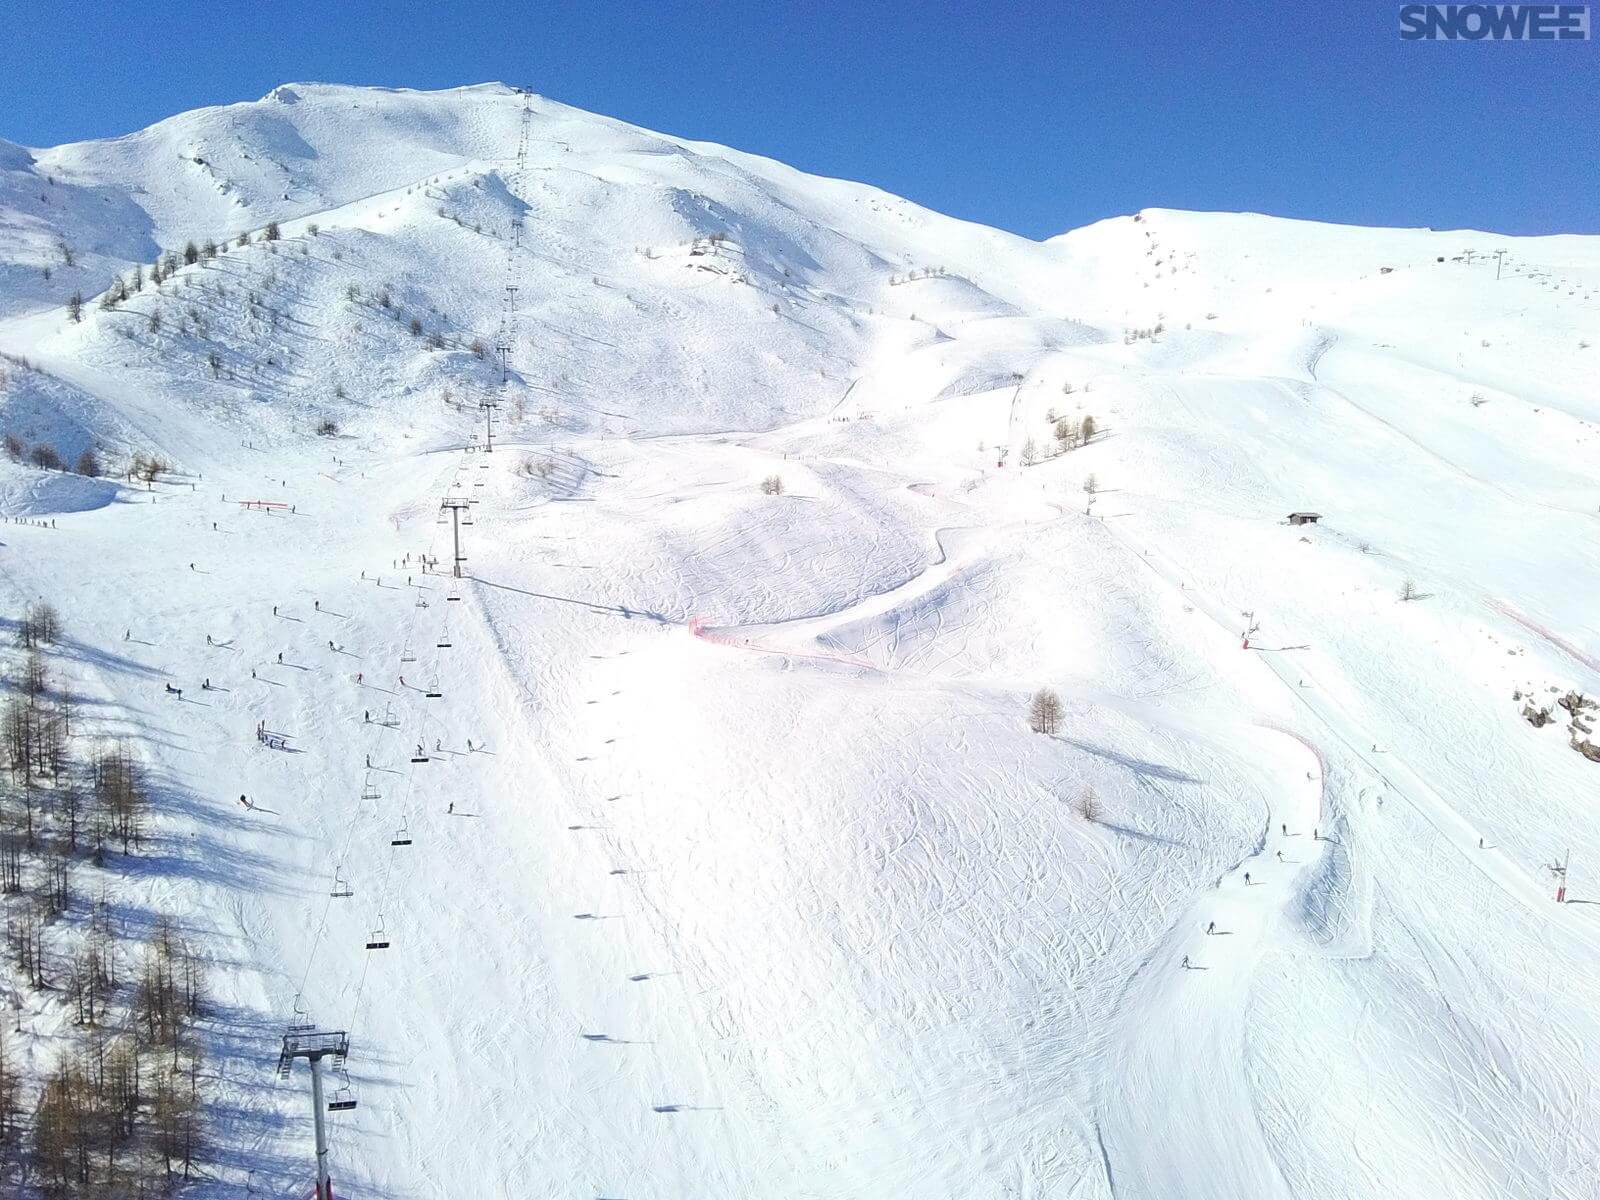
(1181, 1027)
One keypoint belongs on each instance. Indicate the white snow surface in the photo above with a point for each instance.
(756, 883)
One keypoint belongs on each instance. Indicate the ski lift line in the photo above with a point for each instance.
(322, 922)
(428, 725)
(344, 855)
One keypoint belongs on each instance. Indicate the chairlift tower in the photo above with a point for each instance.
(455, 505)
(313, 1045)
(488, 407)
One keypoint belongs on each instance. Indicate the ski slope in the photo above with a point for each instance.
(753, 881)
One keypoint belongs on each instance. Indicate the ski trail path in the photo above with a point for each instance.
(1181, 1030)
(1395, 774)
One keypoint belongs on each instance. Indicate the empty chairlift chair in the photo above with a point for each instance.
(379, 940)
(343, 1098)
(402, 836)
(341, 887)
(369, 790)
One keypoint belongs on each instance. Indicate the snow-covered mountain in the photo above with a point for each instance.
(732, 866)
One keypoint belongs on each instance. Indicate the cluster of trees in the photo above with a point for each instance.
(913, 276)
(772, 485)
(1068, 432)
(1142, 335)
(123, 1113)
(166, 265)
(1045, 712)
(120, 1112)
(44, 455)
(538, 468)
(436, 339)
(48, 458)
(147, 468)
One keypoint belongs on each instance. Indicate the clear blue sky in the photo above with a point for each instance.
(1031, 116)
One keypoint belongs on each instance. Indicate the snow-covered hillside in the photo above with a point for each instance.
(733, 867)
